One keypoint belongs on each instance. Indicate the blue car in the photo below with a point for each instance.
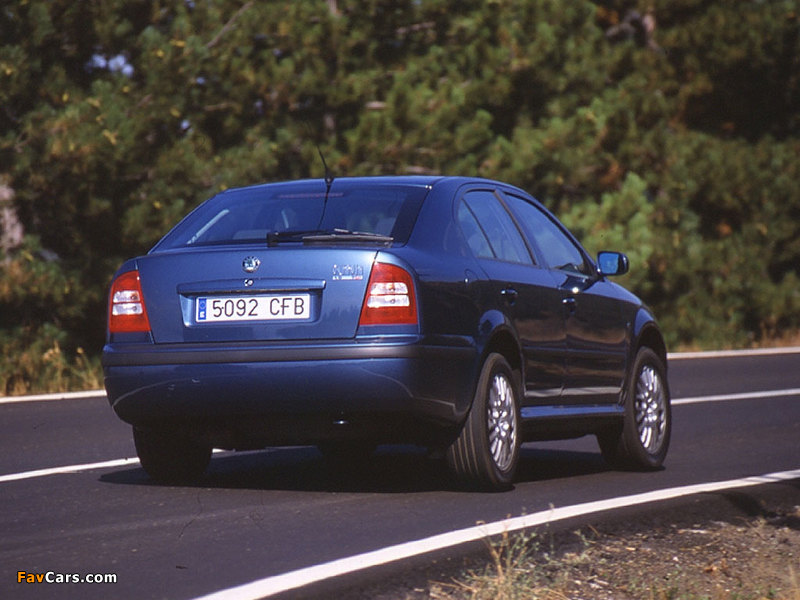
(449, 312)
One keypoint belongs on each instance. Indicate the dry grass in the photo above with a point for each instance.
(44, 367)
(509, 575)
(753, 558)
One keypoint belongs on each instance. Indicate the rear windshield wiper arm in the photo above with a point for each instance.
(345, 235)
(320, 236)
(290, 235)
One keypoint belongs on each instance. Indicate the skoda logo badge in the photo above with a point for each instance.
(251, 264)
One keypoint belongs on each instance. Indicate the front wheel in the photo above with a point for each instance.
(169, 456)
(486, 452)
(643, 439)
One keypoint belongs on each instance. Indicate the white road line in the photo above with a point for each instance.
(733, 353)
(108, 464)
(53, 397)
(670, 356)
(295, 579)
(742, 396)
(119, 462)
(132, 461)
(285, 582)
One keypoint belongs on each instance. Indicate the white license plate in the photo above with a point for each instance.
(253, 308)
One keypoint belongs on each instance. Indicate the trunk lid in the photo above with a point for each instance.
(248, 293)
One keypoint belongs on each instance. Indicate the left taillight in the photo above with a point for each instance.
(390, 297)
(126, 310)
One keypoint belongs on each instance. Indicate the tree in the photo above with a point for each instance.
(643, 124)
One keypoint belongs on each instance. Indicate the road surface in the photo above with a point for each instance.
(261, 514)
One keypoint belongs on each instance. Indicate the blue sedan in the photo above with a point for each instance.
(454, 313)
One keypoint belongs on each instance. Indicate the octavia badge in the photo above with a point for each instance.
(251, 264)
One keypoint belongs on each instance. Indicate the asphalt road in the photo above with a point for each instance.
(265, 513)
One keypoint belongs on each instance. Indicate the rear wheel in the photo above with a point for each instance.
(486, 452)
(643, 439)
(169, 456)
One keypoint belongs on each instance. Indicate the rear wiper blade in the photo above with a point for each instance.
(345, 235)
(290, 235)
(311, 236)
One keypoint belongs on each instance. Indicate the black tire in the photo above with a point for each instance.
(642, 441)
(170, 457)
(486, 453)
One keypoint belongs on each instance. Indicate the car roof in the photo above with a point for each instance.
(408, 180)
(429, 181)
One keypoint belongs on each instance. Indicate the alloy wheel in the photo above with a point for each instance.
(501, 422)
(650, 409)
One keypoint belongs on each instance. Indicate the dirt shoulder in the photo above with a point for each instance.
(741, 544)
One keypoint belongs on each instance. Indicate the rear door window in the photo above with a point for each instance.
(489, 229)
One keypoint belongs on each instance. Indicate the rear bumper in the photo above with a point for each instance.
(246, 394)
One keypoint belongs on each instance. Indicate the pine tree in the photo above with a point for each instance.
(668, 129)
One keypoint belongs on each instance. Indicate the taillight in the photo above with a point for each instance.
(390, 297)
(126, 311)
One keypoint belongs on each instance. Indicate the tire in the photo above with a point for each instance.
(642, 441)
(486, 453)
(170, 457)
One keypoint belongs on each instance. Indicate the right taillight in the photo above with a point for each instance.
(390, 297)
(126, 309)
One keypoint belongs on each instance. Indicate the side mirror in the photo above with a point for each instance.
(612, 263)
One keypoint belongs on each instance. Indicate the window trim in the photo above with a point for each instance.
(587, 259)
(531, 253)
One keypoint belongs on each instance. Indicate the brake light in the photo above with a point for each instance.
(390, 297)
(126, 311)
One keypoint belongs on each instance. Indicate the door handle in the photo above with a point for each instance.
(570, 303)
(510, 295)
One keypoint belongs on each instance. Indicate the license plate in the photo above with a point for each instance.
(253, 308)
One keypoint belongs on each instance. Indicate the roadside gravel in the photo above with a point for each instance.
(734, 545)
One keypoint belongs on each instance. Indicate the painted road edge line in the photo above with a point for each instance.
(675, 401)
(269, 586)
(106, 464)
(53, 397)
(131, 461)
(119, 462)
(733, 353)
(670, 356)
(741, 396)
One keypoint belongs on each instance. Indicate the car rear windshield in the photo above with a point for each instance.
(276, 211)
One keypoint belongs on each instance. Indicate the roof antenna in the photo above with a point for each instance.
(328, 175)
(328, 182)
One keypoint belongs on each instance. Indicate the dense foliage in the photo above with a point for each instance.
(668, 129)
